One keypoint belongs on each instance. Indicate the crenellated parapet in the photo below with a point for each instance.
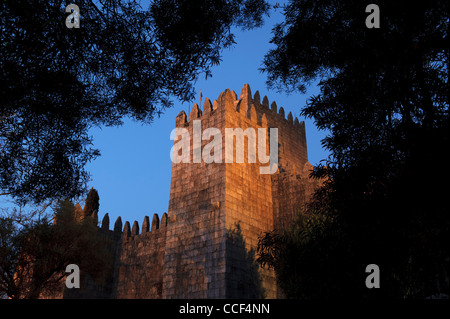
(229, 111)
(247, 105)
(127, 231)
(140, 256)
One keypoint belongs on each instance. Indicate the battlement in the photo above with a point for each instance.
(138, 256)
(130, 233)
(247, 111)
(250, 107)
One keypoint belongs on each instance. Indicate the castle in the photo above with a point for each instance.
(205, 246)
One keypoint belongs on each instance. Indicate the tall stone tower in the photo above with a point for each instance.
(205, 246)
(217, 211)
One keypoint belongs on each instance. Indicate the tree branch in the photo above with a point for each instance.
(3, 194)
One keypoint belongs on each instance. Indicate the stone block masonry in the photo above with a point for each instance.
(205, 246)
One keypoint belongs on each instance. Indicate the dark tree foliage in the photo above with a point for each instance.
(384, 102)
(304, 257)
(123, 61)
(34, 252)
(92, 203)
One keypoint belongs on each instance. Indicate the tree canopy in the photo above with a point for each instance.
(123, 61)
(384, 101)
(34, 252)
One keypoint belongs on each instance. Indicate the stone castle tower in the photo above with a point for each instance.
(205, 246)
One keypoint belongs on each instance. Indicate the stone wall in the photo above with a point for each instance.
(194, 261)
(142, 259)
(248, 206)
(291, 191)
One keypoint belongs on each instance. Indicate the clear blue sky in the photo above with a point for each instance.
(133, 173)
